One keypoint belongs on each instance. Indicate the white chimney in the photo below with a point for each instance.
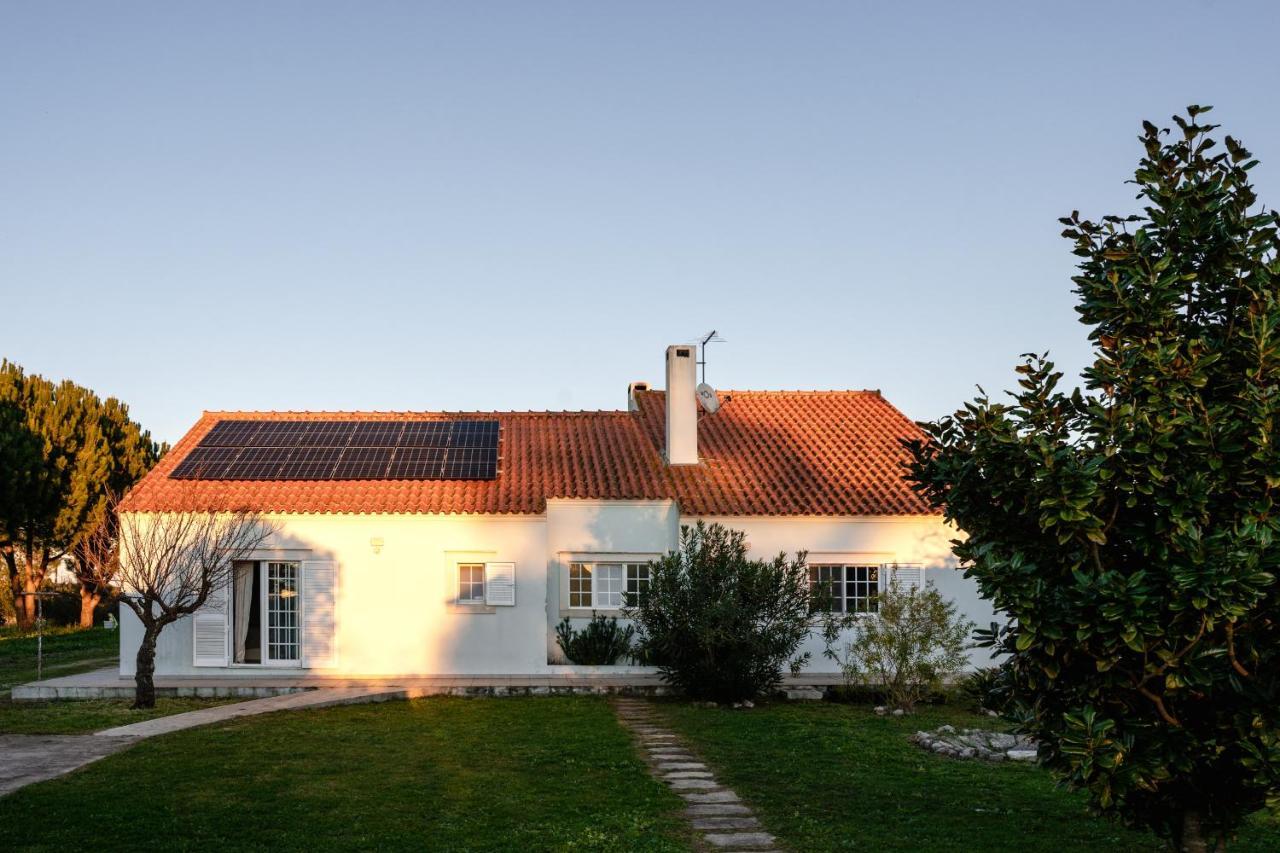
(682, 405)
(633, 405)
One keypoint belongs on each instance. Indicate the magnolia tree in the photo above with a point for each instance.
(1129, 529)
(169, 565)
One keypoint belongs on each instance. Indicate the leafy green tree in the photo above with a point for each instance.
(720, 625)
(1129, 529)
(64, 450)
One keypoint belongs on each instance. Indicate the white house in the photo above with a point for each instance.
(453, 543)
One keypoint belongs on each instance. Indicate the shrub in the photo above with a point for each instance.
(603, 642)
(914, 643)
(722, 626)
(986, 689)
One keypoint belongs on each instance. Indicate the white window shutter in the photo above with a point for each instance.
(319, 609)
(209, 632)
(910, 575)
(500, 584)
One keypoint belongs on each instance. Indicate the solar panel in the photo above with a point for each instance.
(427, 434)
(327, 434)
(376, 434)
(205, 463)
(417, 463)
(470, 464)
(231, 434)
(344, 450)
(363, 463)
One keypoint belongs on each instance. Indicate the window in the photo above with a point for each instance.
(283, 626)
(579, 585)
(600, 586)
(637, 580)
(471, 583)
(847, 589)
(608, 586)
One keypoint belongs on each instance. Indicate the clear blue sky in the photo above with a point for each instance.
(481, 205)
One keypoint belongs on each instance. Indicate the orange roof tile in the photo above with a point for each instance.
(787, 453)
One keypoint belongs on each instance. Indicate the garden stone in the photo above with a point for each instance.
(976, 744)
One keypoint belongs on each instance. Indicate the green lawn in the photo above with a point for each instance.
(553, 773)
(82, 716)
(836, 777)
(66, 652)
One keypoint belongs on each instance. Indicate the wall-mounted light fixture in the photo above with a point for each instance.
(376, 542)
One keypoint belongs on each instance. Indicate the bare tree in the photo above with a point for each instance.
(170, 563)
(95, 560)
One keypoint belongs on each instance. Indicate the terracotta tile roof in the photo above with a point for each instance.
(830, 453)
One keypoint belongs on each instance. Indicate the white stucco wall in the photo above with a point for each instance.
(393, 605)
(872, 540)
(394, 614)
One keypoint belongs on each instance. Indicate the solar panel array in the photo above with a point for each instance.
(344, 450)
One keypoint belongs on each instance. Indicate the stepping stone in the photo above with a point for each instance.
(687, 774)
(740, 840)
(693, 784)
(737, 822)
(700, 797)
(668, 766)
(716, 810)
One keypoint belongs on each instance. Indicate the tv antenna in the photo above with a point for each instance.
(707, 397)
(712, 338)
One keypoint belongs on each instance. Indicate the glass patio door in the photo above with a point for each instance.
(283, 628)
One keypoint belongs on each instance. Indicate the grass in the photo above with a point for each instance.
(837, 777)
(66, 651)
(554, 773)
(82, 716)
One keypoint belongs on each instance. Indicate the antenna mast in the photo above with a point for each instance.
(711, 338)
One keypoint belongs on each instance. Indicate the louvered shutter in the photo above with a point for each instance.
(209, 631)
(500, 584)
(319, 606)
(909, 575)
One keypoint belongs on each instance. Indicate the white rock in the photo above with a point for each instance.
(1021, 754)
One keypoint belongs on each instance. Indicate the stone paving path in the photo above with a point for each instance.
(722, 820)
(26, 759)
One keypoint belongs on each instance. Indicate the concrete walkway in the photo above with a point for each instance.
(713, 810)
(25, 759)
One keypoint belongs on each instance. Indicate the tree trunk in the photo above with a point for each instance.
(89, 599)
(1190, 835)
(26, 602)
(144, 695)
